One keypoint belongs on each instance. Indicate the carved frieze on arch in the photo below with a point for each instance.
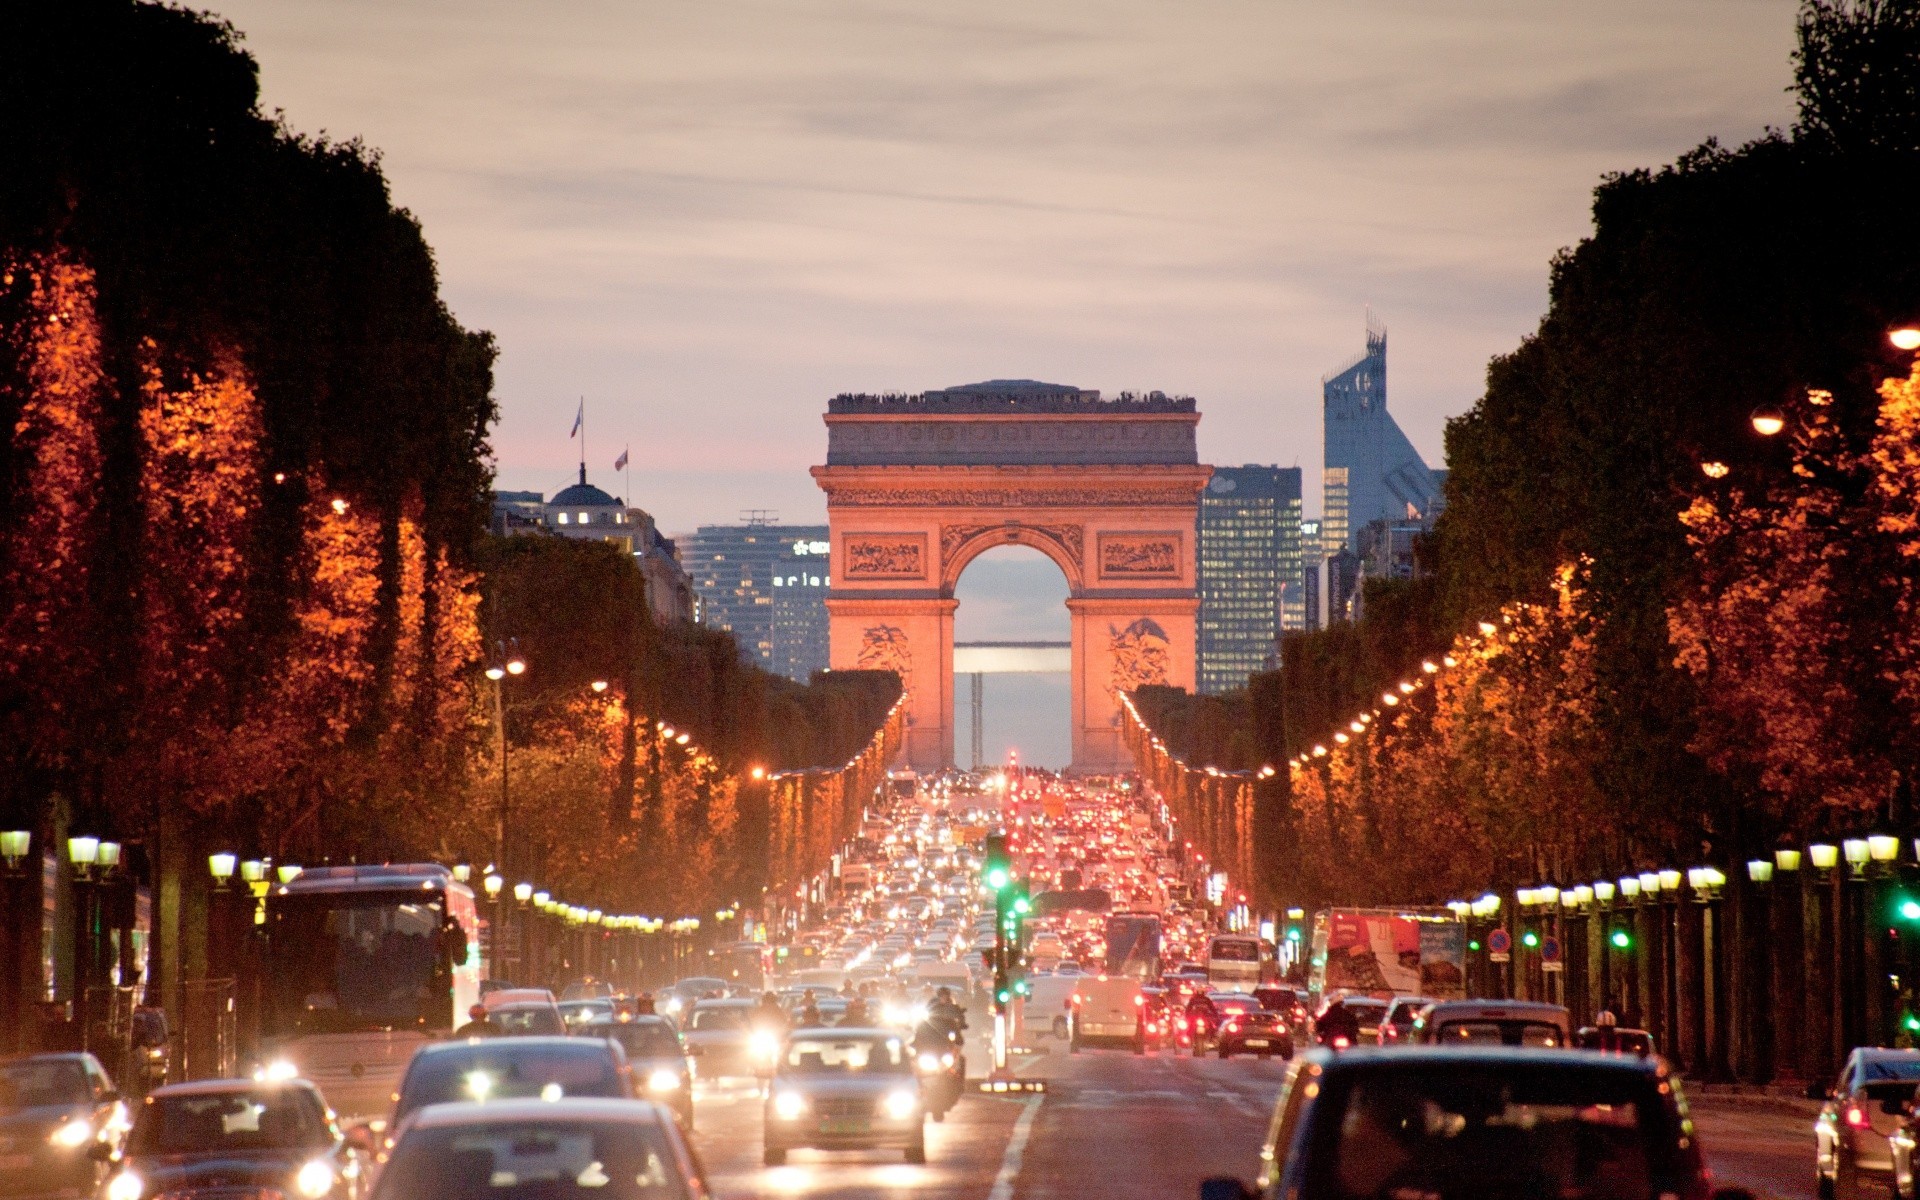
(960, 544)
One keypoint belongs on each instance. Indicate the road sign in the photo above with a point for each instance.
(1550, 955)
(1500, 946)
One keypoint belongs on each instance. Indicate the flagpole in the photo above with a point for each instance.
(583, 439)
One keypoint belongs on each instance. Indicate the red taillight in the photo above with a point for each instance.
(1139, 1000)
(1857, 1117)
(1181, 1021)
(1341, 1043)
(1233, 1023)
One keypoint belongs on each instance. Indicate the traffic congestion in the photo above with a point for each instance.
(994, 954)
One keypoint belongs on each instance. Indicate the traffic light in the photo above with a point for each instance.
(1529, 939)
(999, 866)
(1909, 909)
(1621, 939)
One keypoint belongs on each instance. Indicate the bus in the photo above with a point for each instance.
(1238, 962)
(363, 966)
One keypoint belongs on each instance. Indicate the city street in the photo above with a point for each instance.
(1160, 1123)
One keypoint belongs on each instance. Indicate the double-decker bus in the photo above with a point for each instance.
(363, 966)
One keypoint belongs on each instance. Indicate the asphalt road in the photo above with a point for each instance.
(1112, 1125)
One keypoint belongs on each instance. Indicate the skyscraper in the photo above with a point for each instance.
(1372, 472)
(1312, 560)
(1249, 571)
(741, 573)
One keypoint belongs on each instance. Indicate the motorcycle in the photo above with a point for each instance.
(942, 1066)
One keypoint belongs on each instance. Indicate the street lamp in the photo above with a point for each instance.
(506, 661)
(1855, 850)
(83, 852)
(1768, 420)
(1823, 855)
(1905, 338)
(1786, 860)
(221, 867)
(13, 846)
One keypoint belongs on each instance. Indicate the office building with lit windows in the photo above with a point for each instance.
(1372, 472)
(766, 584)
(1250, 571)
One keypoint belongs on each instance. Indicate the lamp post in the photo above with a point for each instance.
(495, 943)
(523, 920)
(1822, 982)
(82, 854)
(15, 988)
(506, 664)
(1788, 967)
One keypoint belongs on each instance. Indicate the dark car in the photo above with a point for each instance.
(1396, 1024)
(1251, 1029)
(1346, 1021)
(57, 1113)
(512, 1068)
(236, 1137)
(1487, 1123)
(1288, 1002)
(1208, 1012)
(538, 1150)
(658, 1058)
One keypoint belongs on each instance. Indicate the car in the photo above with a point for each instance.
(845, 1089)
(1852, 1150)
(1207, 1012)
(1251, 1029)
(1494, 1022)
(1477, 1121)
(511, 1068)
(58, 1112)
(657, 1056)
(588, 989)
(535, 1150)
(720, 1034)
(528, 1018)
(576, 1013)
(1397, 1023)
(240, 1137)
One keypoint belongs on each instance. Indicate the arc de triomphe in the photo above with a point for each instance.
(918, 486)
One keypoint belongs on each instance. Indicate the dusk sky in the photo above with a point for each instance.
(709, 217)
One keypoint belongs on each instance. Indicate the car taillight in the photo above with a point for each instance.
(1233, 1023)
(1341, 1043)
(1857, 1117)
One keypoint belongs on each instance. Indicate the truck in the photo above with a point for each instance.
(1107, 1007)
(1388, 952)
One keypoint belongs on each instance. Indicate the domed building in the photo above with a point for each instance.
(584, 511)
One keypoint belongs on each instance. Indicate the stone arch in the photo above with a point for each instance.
(1108, 490)
(962, 542)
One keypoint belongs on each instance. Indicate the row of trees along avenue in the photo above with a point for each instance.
(1645, 633)
(245, 591)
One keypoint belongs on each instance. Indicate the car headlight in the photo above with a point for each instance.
(125, 1186)
(789, 1106)
(314, 1180)
(900, 1106)
(276, 1071)
(764, 1044)
(929, 1062)
(71, 1135)
(673, 1005)
(663, 1080)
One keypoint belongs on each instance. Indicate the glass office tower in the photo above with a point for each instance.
(1372, 472)
(1250, 571)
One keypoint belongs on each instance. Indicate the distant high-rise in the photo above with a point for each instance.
(741, 574)
(1312, 560)
(1249, 571)
(1372, 472)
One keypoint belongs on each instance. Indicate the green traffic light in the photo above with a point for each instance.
(998, 878)
(1530, 939)
(1910, 909)
(1021, 987)
(1293, 935)
(1620, 939)
(1004, 995)
(1912, 1023)
(1474, 945)
(1022, 905)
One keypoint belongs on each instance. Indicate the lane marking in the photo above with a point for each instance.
(1016, 1148)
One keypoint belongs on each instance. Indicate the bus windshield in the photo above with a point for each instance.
(346, 962)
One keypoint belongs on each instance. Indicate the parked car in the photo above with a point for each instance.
(1868, 1102)
(658, 1057)
(1494, 1022)
(512, 1068)
(1484, 1122)
(240, 1137)
(845, 1089)
(536, 1150)
(59, 1117)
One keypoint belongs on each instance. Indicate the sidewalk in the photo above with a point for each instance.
(1779, 1097)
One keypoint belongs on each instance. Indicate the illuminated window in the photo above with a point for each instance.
(563, 518)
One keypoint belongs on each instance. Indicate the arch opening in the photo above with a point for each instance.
(1012, 593)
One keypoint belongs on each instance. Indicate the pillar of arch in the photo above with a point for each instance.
(919, 486)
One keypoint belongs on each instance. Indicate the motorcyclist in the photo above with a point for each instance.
(479, 1024)
(856, 1013)
(1336, 1023)
(809, 1009)
(643, 1004)
(768, 1013)
(945, 1012)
